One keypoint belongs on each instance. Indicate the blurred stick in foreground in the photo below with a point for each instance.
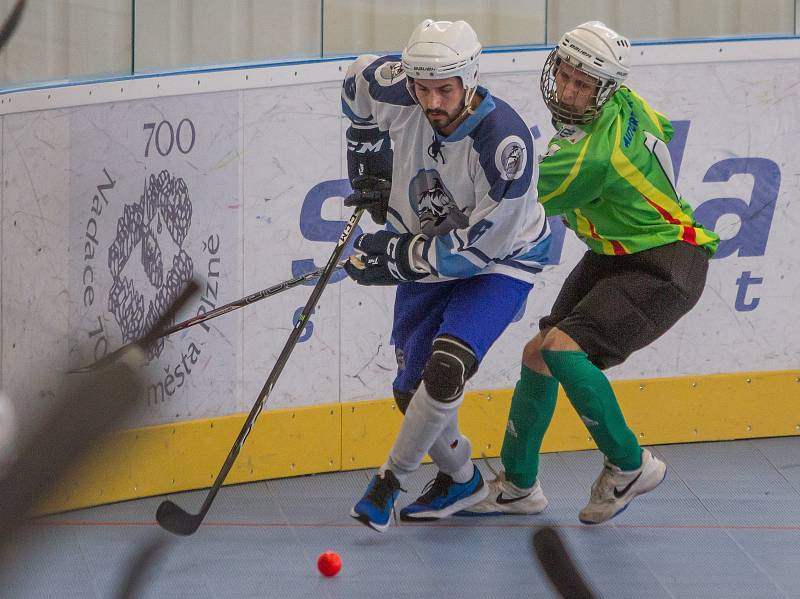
(88, 406)
(10, 26)
(558, 566)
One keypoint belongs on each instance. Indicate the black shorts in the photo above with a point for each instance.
(614, 305)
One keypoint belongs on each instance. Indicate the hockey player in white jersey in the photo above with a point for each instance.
(450, 170)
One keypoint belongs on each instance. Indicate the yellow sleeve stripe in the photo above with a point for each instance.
(628, 171)
(570, 176)
(654, 117)
(652, 114)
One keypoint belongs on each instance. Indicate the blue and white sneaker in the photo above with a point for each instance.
(443, 497)
(374, 509)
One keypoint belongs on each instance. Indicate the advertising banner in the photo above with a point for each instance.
(243, 189)
(154, 202)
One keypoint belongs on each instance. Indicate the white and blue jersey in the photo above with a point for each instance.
(472, 193)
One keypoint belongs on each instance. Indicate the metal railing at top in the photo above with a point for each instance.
(74, 39)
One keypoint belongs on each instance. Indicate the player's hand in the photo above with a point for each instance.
(386, 259)
(372, 194)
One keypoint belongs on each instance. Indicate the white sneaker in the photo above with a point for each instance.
(506, 498)
(615, 488)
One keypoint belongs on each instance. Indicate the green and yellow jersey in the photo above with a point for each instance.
(612, 180)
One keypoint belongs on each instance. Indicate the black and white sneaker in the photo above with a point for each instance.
(614, 489)
(506, 498)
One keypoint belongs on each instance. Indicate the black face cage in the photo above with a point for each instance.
(565, 115)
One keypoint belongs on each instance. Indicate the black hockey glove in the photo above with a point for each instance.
(372, 194)
(386, 259)
(369, 168)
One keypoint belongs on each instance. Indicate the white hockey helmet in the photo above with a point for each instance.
(596, 50)
(440, 50)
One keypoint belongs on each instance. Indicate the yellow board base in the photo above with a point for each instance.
(187, 455)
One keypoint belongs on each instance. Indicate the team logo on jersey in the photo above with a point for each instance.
(511, 157)
(390, 73)
(433, 202)
(572, 134)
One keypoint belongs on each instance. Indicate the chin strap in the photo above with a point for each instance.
(468, 97)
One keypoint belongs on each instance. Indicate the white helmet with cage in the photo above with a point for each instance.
(596, 50)
(440, 50)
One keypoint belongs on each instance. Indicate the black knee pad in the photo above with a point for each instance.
(451, 364)
(402, 399)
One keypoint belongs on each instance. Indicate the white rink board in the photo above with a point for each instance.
(154, 200)
(264, 179)
(291, 144)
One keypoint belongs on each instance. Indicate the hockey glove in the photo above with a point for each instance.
(372, 194)
(369, 168)
(386, 259)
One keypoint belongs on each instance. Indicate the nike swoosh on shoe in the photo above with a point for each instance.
(503, 501)
(619, 494)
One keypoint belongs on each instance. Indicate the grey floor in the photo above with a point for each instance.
(725, 523)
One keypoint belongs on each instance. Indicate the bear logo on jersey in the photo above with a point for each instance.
(433, 202)
(511, 158)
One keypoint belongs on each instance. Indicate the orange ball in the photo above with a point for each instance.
(329, 563)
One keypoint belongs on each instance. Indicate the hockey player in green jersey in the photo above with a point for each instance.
(607, 172)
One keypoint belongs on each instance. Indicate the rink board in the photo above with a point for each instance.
(187, 455)
(116, 192)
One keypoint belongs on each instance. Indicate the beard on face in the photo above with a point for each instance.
(436, 113)
(446, 119)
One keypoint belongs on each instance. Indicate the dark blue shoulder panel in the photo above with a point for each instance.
(503, 140)
(392, 88)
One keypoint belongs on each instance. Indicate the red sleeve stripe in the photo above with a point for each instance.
(618, 248)
(688, 233)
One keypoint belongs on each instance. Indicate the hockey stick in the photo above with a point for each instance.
(558, 565)
(140, 568)
(200, 318)
(175, 519)
(86, 409)
(11, 23)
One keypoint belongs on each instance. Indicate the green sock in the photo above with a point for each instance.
(591, 395)
(532, 407)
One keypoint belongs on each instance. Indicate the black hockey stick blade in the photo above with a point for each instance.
(11, 23)
(558, 566)
(175, 519)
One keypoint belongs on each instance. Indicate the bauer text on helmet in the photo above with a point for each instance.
(443, 49)
(590, 53)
